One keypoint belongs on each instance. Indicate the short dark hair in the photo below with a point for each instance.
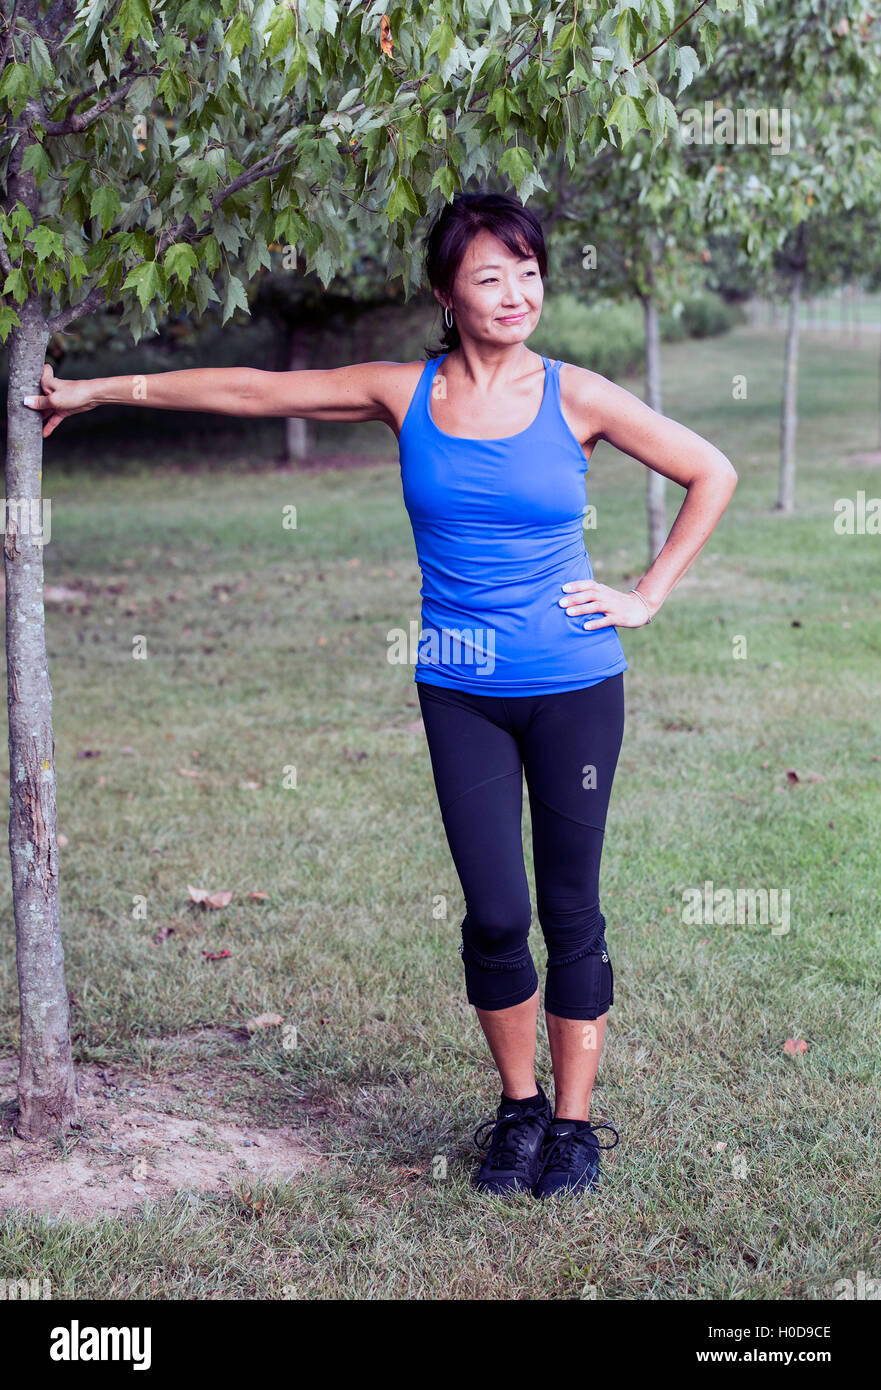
(455, 227)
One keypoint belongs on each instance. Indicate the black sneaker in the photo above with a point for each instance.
(514, 1146)
(571, 1157)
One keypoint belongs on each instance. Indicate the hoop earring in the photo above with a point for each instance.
(448, 320)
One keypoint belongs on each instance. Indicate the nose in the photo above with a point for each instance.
(513, 296)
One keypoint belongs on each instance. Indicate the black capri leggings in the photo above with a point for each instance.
(567, 744)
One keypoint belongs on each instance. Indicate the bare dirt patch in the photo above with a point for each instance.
(141, 1139)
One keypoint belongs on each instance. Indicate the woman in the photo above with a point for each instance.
(520, 668)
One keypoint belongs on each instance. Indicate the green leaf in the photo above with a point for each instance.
(239, 33)
(662, 118)
(402, 199)
(628, 115)
(16, 284)
(77, 270)
(41, 61)
(234, 298)
(210, 249)
(629, 30)
(516, 163)
(441, 42)
(566, 38)
(36, 158)
(8, 320)
(709, 36)
(20, 218)
(16, 85)
(46, 243)
(447, 180)
(181, 261)
(105, 205)
(147, 279)
(280, 29)
(204, 292)
(133, 21)
(689, 64)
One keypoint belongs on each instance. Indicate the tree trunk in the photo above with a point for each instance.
(296, 432)
(789, 413)
(47, 1089)
(656, 482)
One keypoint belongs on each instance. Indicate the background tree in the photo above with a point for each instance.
(817, 65)
(308, 312)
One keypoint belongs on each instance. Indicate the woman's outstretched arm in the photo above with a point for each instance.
(352, 393)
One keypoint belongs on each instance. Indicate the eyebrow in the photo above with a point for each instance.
(530, 257)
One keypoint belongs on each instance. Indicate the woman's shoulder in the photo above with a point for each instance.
(395, 384)
(582, 391)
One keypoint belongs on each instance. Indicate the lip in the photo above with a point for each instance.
(513, 318)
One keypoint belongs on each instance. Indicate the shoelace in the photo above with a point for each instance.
(558, 1153)
(511, 1144)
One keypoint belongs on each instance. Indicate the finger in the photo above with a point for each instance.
(52, 423)
(36, 402)
(579, 585)
(601, 622)
(582, 596)
(593, 605)
(46, 381)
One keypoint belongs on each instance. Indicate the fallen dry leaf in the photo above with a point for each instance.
(216, 955)
(794, 1045)
(263, 1021)
(206, 899)
(259, 896)
(60, 593)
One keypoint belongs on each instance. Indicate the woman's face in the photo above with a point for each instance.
(497, 296)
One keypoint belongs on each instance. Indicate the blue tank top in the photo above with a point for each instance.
(498, 527)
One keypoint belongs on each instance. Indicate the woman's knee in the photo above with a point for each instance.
(498, 931)
(580, 979)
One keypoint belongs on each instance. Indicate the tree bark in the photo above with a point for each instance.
(46, 1084)
(296, 432)
(656, 482)
(789, 409)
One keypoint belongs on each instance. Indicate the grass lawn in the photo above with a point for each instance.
(742, 1172)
